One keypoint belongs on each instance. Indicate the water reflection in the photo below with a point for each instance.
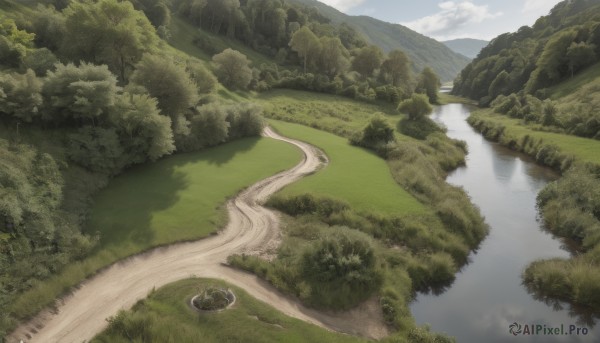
(487, 295)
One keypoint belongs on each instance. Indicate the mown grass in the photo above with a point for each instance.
(587, 150)
(330, 113)
(165, 316)
(354, 175)
(175, 199)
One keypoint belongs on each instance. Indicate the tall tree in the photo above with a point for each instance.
(416, 107)
(107, 32)
(233, 69)
(430, 84)
(306, 44)
(396, 67)
(367, 60)
(168, 82)
(333, 57)
(84, 93)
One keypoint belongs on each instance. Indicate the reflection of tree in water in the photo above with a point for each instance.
(585, 316)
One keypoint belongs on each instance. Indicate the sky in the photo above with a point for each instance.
(444, 20)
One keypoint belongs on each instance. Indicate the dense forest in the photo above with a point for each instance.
(518, 73)
(89, 89)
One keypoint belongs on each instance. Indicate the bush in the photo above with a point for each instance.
(342, 269)
(418, 128)
(416, 107)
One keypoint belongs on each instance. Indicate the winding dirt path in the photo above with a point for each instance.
(252, 229)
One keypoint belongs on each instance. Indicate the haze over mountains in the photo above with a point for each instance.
(423, 51)
(466, 46)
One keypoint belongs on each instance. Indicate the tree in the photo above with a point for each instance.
(416, 107)
(397, 68)
(79, 93)
(306, 44)
(580, 55)
(233, 69)
(144, 133)
(107, 32)
(208, 127)
(20, 95)
(553, 63)
(204, 79)
(500, 85)
(378, 131)
(333, 57)
(49, 27)
(97, 149)
(367, 60)
(14, 43)
(168, 82)
(430, 84)
(244, 120)
(39, 60)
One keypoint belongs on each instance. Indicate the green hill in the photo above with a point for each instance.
(556, 48)
(423, 51)
(466, 46)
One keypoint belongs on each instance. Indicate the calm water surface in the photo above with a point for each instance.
(488, 294)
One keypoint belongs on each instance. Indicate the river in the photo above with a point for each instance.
(487, 295)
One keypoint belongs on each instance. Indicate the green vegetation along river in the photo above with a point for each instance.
(488, 296)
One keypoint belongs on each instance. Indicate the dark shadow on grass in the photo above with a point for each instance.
(123, 211)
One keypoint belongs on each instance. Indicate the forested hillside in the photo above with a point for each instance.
(422, 51)
(522, 74)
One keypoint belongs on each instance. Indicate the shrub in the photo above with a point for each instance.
(416, 107)
(342, 269)
(418, 128)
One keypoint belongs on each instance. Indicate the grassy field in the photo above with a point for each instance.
(166, 317)
(582, 148)
(354, 174)
(175, 199)
(331, 113)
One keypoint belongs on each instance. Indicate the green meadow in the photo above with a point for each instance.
(354, 175)
(165, 316)
(331, 113)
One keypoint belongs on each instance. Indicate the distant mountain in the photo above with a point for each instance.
(466, 46)
(423, 51)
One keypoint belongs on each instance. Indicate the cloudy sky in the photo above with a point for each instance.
(442, 20)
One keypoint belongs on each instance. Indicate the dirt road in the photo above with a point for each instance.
(252, 229)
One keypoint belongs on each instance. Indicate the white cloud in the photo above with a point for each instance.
(452, 16)
(539, 6)
(342, 5)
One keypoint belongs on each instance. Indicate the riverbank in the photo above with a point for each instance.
(570, 208)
